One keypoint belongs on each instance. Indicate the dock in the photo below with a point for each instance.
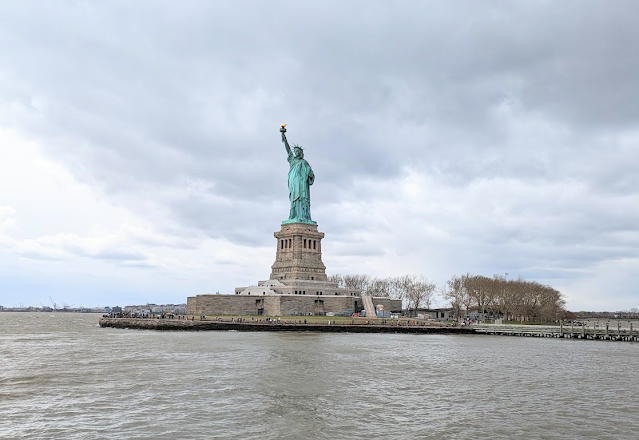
(601, 332)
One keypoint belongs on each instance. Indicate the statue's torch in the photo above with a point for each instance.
(283, 130)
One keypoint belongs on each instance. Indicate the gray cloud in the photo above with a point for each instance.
(172, 110)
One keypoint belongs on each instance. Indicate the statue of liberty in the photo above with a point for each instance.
(300, 178)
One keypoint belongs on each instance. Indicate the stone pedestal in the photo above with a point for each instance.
(297, 286)
(299, 253)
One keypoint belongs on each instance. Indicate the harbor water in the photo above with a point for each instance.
(64, 377)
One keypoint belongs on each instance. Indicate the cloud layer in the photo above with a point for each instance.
(445, 137)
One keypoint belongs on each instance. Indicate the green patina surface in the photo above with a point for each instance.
(300, 179)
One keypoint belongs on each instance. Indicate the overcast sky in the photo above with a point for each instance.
(141, 160)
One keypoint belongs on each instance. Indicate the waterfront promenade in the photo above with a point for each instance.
(595, 332)
(328, 326)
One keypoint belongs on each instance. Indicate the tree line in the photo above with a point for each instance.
(415, 290)
(515, 299)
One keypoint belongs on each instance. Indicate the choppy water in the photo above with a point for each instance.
(62, 377)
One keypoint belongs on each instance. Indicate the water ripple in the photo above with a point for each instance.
(64, 377)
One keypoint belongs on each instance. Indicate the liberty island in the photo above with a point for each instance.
(298, 286)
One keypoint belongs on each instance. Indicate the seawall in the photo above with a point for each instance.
(186, 325)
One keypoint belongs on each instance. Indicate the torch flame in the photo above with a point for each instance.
(283, 125)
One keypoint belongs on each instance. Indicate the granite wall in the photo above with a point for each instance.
(281, 305)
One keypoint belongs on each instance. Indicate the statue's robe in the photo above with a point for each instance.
(300, 178)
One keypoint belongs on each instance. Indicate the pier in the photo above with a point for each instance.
(601, 332)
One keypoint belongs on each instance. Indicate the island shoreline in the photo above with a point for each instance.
(273, 326)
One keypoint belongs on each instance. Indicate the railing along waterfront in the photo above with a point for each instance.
(266, 324)
(585, 332)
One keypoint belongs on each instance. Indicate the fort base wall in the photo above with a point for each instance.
(282, 305)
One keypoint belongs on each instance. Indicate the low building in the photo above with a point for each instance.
(434, 314)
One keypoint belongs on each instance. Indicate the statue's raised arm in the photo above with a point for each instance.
(283, 131)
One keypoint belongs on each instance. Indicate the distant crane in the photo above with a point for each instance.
(55, 307)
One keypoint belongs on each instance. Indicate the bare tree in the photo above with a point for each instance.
(357, 282)
(480, 291)
(456, 294)
(337, 278)
(506, 298)
(380, 287)
(426, 289)
(417, 290)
